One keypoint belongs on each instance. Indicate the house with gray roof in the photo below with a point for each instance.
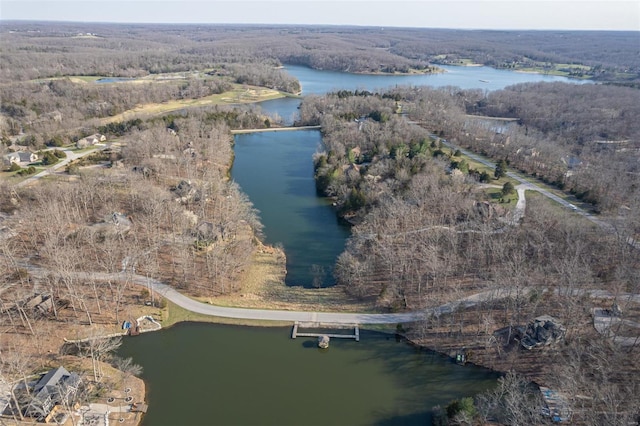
(56, 387)
(20, 157)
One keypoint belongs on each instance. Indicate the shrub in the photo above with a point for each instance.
(15, 167)
(49, 158)
(507, 189)
(28, 171)
(56, 141)
(461, 408)
(485, 177)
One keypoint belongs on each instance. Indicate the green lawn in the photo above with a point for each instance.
(495, 196)
(174, 314)
(239, 94)
(474, 165)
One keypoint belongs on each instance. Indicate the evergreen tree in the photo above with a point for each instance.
(501, 169)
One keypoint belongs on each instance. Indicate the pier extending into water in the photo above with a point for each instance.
(297, 325)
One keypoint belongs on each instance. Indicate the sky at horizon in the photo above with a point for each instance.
(621, 15)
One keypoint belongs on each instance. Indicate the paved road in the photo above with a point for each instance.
(292, 316)
(71, 156)
(528, 185)
(334, 317)
(604, 322)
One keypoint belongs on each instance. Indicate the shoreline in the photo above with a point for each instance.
(437, 70)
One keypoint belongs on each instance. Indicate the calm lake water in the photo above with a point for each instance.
(206, 374)
(276, 171)
(320, 82)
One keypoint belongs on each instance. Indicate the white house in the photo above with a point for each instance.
(27, 157)
(21, 157)
(13, 158)
(90, 140)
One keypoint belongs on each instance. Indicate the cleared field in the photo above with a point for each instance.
(239, 95)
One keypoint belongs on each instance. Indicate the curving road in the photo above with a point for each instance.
(71, 156)
(528, 185)
(337, 317)
(291, 316)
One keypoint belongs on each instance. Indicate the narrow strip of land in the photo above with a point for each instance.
(274, 129)
(192, 305)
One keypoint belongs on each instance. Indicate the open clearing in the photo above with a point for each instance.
(239, 95)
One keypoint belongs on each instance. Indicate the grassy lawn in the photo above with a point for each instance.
(174, 314)
(84, 78)
(238, 95)
(73, 78)
(562, 70)
(537, 197)
(15, 177)
(558, 192)
(495, 195)
(474, 165)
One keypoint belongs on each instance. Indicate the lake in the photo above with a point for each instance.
(275, 169)
(208, 374)
(204, 374)
(315, 82)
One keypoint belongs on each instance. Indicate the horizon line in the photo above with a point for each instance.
(267, 24)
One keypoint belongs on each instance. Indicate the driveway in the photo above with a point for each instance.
(71, 156)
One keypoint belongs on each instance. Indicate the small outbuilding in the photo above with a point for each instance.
(556, 406)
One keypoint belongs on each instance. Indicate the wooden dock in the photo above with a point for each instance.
(296, 333)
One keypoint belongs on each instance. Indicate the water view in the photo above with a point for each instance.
(276, 171)
(319, 82)
(229, 375)
(239, 375)
(315, 82)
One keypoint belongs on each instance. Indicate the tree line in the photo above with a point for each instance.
(37, 50)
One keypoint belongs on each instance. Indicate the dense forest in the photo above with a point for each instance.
(39, 50)
(583, 138)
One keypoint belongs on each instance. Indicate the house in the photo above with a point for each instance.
(113, 224)
(27, 157)
(210, 232)
(20, 157)
(542, 331)
(90, 141)
(13, 158)
(57, 387)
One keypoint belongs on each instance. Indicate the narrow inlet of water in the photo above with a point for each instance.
(275, 169)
